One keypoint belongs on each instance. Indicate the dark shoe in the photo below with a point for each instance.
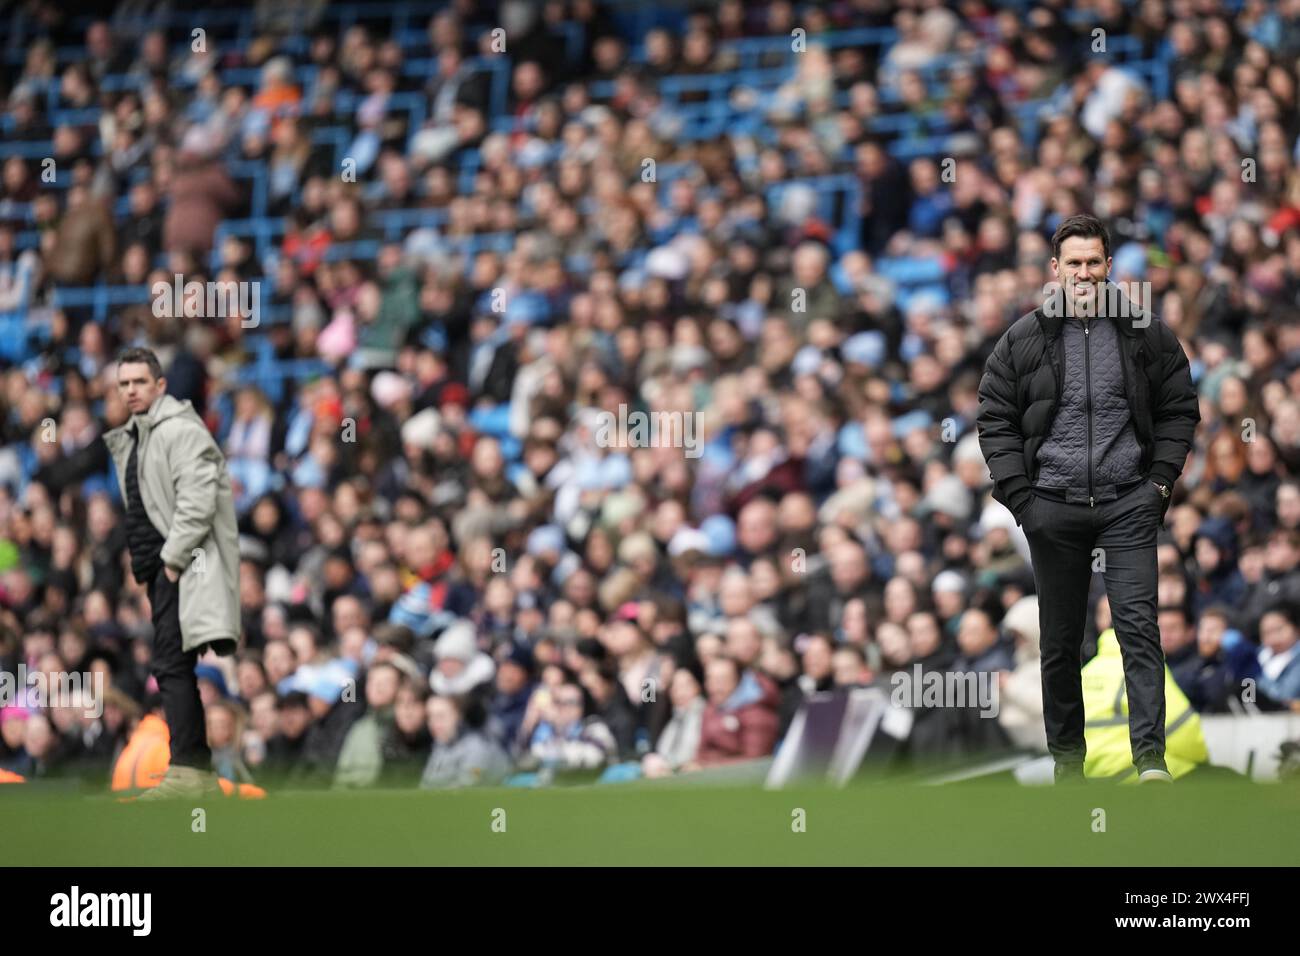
(1153, 770)
(1068, 773)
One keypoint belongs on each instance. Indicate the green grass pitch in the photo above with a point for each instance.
(978, 823)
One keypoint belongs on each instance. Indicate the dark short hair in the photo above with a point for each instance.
(669, 609)
(142, 356)
(1288, 609)
(1084, 226)
(1288, 535)
(295, 698)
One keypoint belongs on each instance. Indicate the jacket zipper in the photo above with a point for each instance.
(1087, 380)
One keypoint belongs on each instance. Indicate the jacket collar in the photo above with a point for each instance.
(148, 418)
(163, 407)
(1051, 324)
(152, 413)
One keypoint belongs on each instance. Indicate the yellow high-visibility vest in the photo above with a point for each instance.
(1105, 707)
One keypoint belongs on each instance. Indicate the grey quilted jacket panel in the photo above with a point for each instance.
(1115, 452)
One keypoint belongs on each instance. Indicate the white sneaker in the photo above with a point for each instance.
(1155, 774)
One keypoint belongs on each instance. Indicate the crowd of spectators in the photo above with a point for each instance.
(446, 577)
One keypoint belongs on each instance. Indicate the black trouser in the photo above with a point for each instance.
(1065, 539)
(173, 666)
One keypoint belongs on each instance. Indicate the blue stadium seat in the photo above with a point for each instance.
(910, 271)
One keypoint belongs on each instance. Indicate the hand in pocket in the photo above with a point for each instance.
(1027, 512)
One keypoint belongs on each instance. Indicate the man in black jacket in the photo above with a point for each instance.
(1087, 413)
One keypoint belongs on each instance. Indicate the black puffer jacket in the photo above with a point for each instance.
(1021, 390)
